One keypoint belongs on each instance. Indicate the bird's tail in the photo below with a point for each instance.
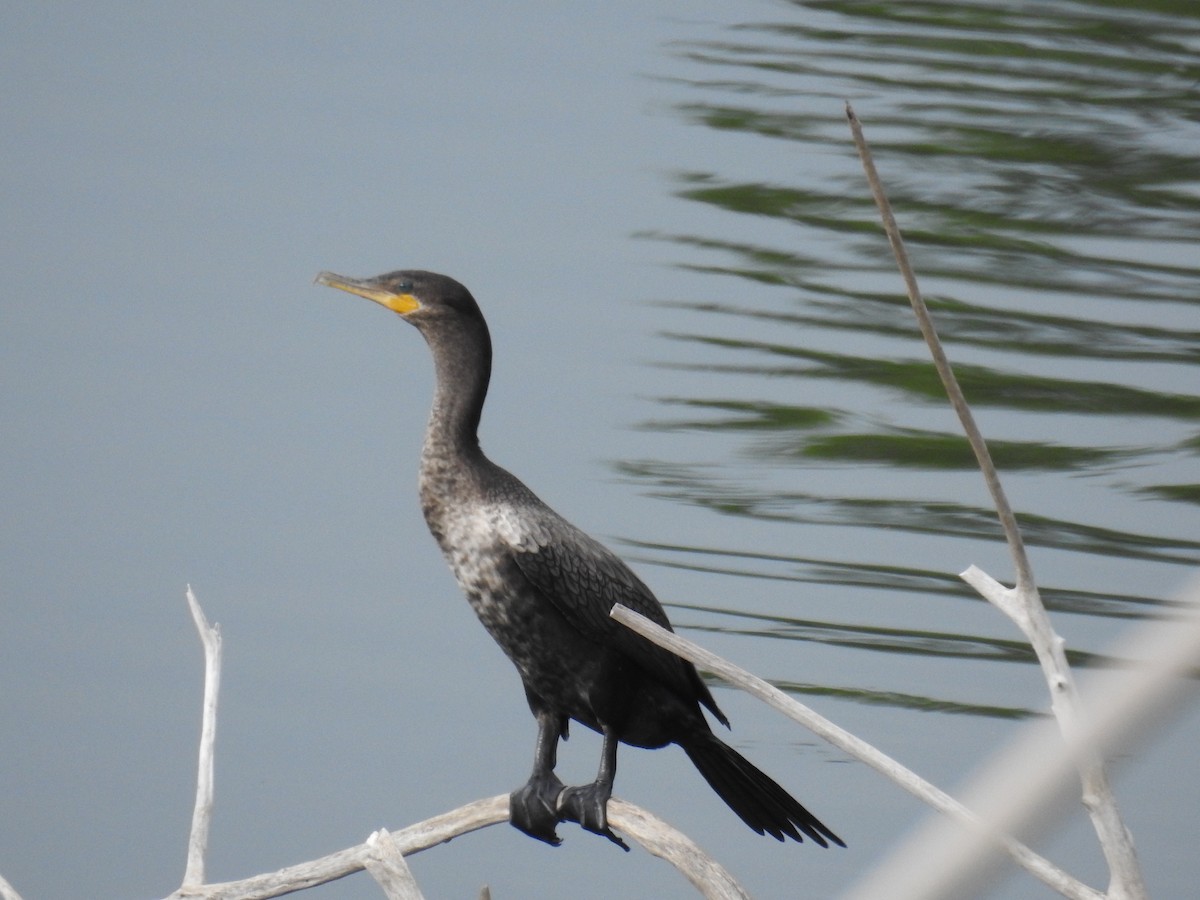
(754, 796)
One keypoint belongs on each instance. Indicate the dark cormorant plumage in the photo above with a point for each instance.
(544, 589)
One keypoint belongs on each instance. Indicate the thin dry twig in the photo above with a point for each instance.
(1023, 603)
(957, 399)
(210, 636)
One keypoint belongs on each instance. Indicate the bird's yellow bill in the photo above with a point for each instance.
(398, 303)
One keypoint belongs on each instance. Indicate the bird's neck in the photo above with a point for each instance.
(462, 365)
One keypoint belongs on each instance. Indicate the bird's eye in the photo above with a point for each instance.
(405, 287)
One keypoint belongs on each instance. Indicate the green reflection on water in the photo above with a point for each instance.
(1041, 160)
(705, 488)
(909, 701)
(982, 385)
(909, 641)
(892, 579)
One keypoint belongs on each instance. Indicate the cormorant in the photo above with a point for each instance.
(543, 589)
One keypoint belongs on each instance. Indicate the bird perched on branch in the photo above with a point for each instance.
(543, 589)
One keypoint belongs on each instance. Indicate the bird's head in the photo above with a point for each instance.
(420, 297)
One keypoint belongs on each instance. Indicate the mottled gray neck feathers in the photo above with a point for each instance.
(462, 358)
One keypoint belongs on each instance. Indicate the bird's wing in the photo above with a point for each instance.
(584, 579)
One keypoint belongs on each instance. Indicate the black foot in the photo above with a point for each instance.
(533, 808)
(588, 805)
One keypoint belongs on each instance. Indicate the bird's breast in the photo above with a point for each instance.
(555, 660)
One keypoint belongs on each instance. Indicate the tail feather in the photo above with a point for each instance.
(754, 796)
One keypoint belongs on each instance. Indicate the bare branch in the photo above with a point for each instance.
(656, 836)
(1041, 868)
(210, 636)
(957, 400)
(386, 864)
(1023, 604)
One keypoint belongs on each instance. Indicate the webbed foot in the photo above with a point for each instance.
(533, 808)
(588, 805)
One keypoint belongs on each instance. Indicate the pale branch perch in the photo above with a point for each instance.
(382, 854)
(1041, 868)
(1024, 604)
(210, 636)
(654, 835)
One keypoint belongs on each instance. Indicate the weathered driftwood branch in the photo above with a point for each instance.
(382, 854)
(1041, 868)
(655, 836)
(210, 637)
(1022, 604)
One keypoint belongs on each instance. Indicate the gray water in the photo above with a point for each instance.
(1045, 175)
(703, 356)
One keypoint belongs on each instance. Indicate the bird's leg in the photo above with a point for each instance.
(588, 804)
(533, 808)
